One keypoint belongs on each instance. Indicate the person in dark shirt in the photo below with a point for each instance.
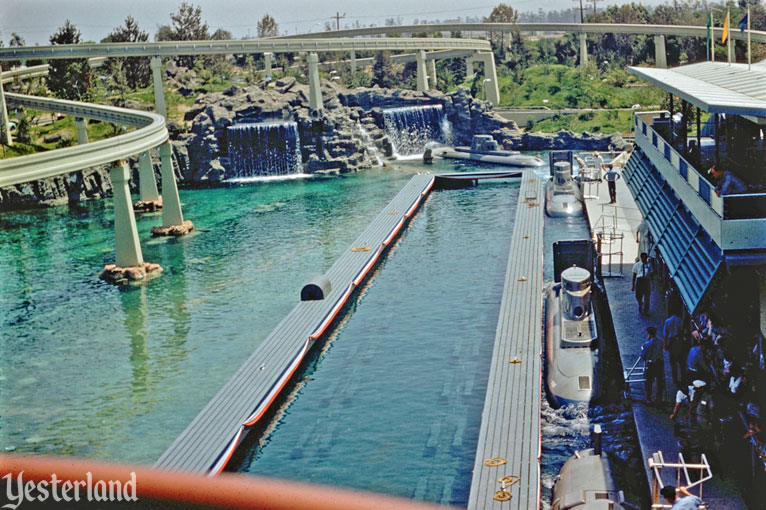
(651, 352)
(687, 501)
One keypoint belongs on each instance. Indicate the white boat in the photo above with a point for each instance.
(570, 334)
(484, 149)
(563, 196)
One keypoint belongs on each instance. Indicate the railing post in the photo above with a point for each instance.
(267, 64)
(5, 126)
(81, 125)
(353, 61)
(127, 250)
(315, 92)
(660, 55)
(583, 49)
(159, 93)
(422, 76)
(171, 204)
(146, 180)
(432, 73)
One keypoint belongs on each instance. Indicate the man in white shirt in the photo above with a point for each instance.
(600, 166)
(641, 283)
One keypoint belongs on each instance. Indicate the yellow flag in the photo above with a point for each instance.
(726, 28)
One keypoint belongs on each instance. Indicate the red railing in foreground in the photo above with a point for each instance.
(162, 489)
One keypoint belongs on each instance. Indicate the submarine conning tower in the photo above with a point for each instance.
(562, 173)
(575, 295)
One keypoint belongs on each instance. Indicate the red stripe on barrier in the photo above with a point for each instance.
(216, 470)
(393, 233)
(342, 301)
(367, 268)
(413, 208)
(428, 188)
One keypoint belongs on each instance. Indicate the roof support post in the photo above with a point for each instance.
(171, 204)
(81, 125)
(315, 93)
(432, 73)
(146, 180)
(422, 76)
(583, 49)
(491, 92)
(267, 64)
(717, 122)
(699, 141)
(127, 249)
(660, 55)
(685, 127)
(5, 126)
(672, 127)
(353, 61)
(159, 92)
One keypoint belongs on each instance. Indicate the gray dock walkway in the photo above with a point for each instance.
(210, 439)
(510, 426)
(654, 428)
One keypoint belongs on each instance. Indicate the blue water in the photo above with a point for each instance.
(394, 403)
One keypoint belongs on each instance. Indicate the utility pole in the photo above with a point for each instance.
(594, 5)
(582, 16)
(337, 17)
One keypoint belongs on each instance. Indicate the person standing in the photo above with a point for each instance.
(611, 177)
(600, 166)
(675, 344)
(643, 237)
(641, 283)
(651, 352)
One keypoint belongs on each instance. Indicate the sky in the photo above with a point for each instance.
(36, 20)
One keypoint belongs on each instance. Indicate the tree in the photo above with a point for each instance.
(383, 72)
(69, 78)
(222, 35)
(267, 27)
(501, 14)
(135, 70)
(187, 25)
(164, 33)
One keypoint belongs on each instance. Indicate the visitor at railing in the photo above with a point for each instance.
(727, 183)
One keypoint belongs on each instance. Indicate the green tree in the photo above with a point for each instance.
(383, 73)
(187, 25)
(502, 13)
(222, 35)
(135, 70)
(69, 78)
(267, 27)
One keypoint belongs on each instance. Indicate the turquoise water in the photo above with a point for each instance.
(100, 371)
(394, 402)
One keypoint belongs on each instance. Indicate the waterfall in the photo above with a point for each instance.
(264, 148)
(411, 128)
(372, 151)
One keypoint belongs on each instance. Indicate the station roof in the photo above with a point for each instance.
(715, 87)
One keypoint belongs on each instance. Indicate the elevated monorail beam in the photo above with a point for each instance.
(227, 47)
(576, 28)
(151, 133)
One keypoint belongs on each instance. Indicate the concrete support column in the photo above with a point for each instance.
(5, 127)
(171, 204)
(489, 84)
(469, 67)
(146, 181)
(267, 64)
(583, 49)
(422, 77)
(353, 61)
(432, 73)
(127, 250)
(159, 92)
(315, 92)
(81, 125)
(660, 55)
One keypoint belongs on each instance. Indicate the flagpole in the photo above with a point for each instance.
(712, 37)
(748, 37)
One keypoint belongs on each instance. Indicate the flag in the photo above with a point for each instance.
(725, 28)
(743, 24)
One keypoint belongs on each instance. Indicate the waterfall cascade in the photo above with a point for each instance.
(264, 148)
(372, 151)
(411, 128)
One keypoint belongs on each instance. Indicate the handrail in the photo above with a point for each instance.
(174, 48)
(151, 132)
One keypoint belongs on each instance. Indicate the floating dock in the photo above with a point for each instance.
(209, 441)
(509, 436)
